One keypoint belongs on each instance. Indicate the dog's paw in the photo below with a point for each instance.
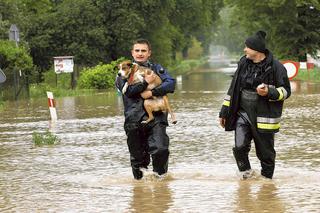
(125, 87)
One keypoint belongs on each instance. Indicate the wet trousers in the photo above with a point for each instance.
(264, 145)
(144, 141)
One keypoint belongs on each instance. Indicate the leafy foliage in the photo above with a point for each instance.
(12, 57)
(291, 26)
(47, 138)
(186, 66)
(73, 28)
(101, 76)
(101, 31)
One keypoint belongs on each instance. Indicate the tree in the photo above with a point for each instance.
(121, 24)
(96, 31)
(291, 25)
(13, 57)
(17, 65)
(195, 19)
(229, 33)
(74, 27)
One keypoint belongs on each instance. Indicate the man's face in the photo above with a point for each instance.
(140, 53)
(250, 53)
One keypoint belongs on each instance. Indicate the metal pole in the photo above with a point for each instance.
(15, 83)
(56, 80)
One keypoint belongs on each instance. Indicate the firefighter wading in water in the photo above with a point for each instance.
(253, 105)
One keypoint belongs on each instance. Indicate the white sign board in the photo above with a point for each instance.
(63, 64)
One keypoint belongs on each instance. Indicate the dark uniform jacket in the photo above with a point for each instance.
(134, 111)
(269, 108)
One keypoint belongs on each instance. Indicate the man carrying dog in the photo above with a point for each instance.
(151, 139)
(253, 105)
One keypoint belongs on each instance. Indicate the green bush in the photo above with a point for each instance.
(46, 138)
(101, 76)
(185, 66)
(62, 80)
(13, 57)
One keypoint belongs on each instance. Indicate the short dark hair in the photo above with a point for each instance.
(142, 41)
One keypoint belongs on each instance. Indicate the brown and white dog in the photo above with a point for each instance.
(135, 74)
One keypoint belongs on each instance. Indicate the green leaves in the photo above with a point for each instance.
(101, 76)
(291, 26)
(103, 30)
(14, 57)
(46, 138)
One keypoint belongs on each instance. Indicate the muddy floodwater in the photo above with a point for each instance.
(89, 169)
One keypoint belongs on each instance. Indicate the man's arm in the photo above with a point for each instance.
(131, 90)
(283, 89)
(227, 98)
(168, 82)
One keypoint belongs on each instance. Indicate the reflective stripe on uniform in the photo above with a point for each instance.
(226, 101)
(268, 123)
(280, 94)
(283, 94)
(268, 126)
(268, 120)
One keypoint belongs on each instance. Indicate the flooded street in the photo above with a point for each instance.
(89, 169)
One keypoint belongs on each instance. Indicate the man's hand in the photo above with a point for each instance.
(262, 90)
(146, 94)
(222, 122)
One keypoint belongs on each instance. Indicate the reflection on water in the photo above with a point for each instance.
(151, 197)
(258, 196)
(89, 170)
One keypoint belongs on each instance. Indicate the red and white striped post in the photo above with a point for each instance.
(52, 106)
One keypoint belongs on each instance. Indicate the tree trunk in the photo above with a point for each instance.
(302, 56)
(185, 52)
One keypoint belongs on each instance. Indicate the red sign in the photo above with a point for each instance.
(292, 68)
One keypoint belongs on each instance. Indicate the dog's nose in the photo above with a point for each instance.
(119, 74)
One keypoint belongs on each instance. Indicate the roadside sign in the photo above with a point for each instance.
(292, 68)
(14, 33)
(63, 64)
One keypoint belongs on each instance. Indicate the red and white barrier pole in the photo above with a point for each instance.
(52, 106)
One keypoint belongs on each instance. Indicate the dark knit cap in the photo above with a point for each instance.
(257, 42)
